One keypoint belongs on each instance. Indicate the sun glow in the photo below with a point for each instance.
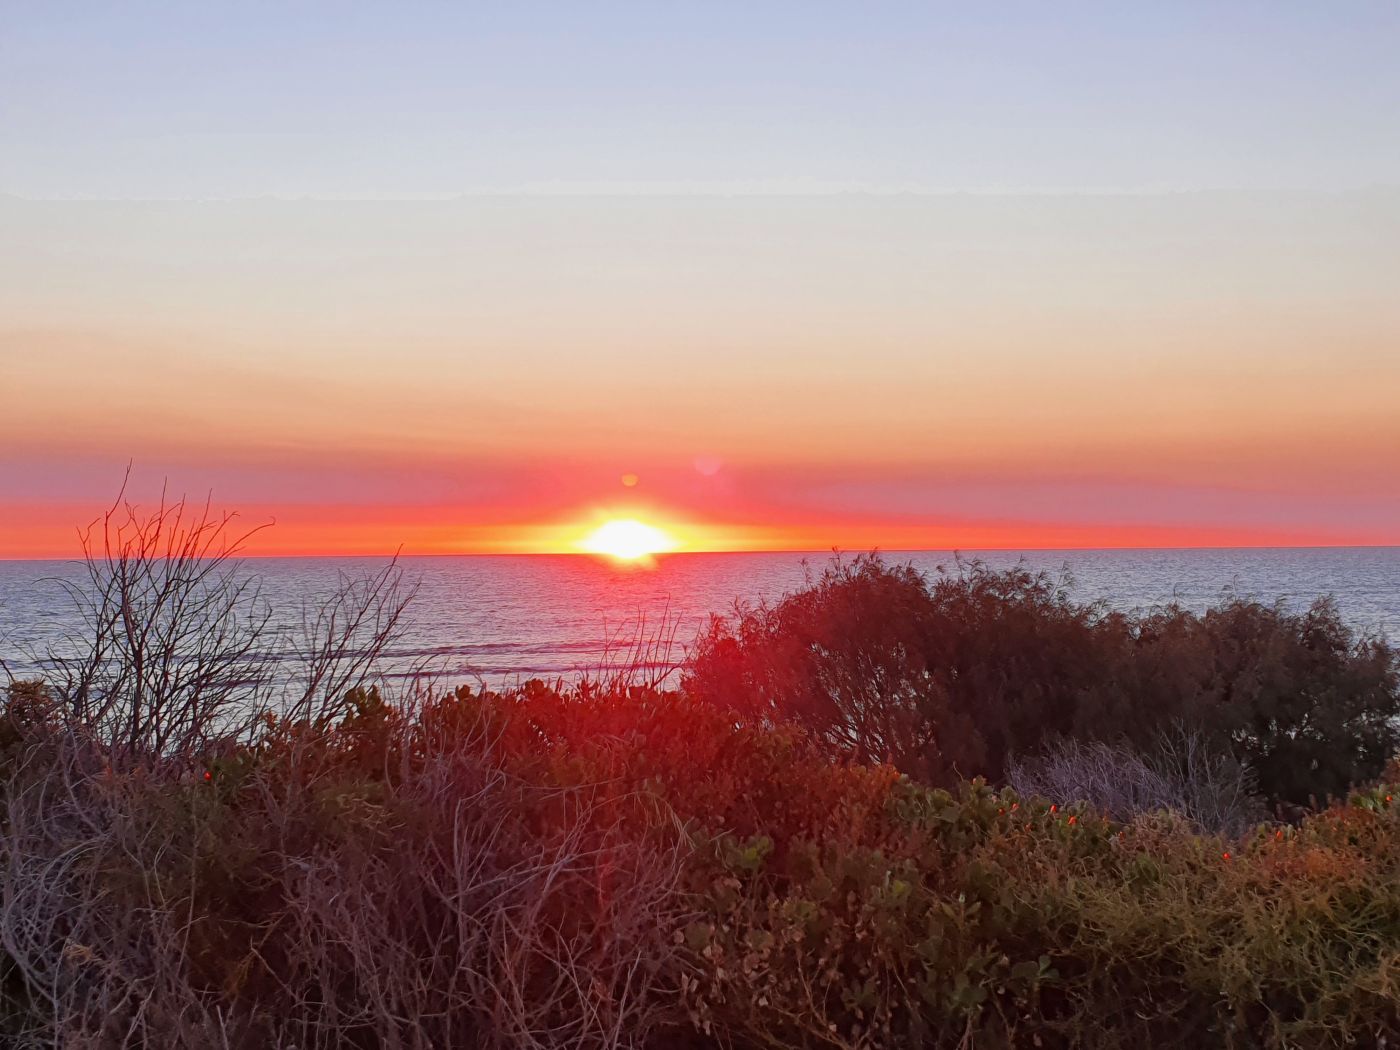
(627, 539)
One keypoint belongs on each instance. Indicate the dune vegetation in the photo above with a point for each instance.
(886, 811)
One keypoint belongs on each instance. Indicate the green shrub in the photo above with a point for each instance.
(980, 919)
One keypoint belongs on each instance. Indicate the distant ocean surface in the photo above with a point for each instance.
(502, 618)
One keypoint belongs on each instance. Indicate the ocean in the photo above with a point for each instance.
(505, 618)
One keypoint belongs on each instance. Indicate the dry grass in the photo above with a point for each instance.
(436, 901)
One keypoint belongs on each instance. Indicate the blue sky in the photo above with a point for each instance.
(409, 99)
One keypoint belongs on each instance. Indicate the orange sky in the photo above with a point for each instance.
(1052, 370)
(48, 530)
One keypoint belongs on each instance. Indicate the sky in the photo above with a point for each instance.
(460, 278)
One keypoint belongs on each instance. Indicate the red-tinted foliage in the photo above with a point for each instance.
(953, 676)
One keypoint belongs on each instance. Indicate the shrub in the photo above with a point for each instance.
(1304, 701)
(952, 677)
(983, 919)
(561, 867)
(847, 657)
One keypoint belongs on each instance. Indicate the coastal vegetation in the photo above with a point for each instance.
(964, 674)
(885, 811)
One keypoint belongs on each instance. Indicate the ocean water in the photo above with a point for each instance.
(502, 618)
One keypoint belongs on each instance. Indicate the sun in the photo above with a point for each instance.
(627, 539)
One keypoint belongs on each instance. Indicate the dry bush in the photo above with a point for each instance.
(1219, 793)
(379, 884)
(92, 877)
(1183, 772)
(640, 655)
(343, 639)
(1111, 778)
(481, 930)
(173, 649)
(179, 653)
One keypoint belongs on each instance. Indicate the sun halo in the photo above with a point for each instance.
(627, 539)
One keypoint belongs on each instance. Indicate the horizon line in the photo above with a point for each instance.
(835, 551)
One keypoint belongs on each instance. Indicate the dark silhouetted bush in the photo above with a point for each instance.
(849, 657)
(1306, 703)
(953, 676)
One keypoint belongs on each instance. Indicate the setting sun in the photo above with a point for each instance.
(627, 540)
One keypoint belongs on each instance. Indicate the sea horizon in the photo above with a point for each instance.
(504, 616)
(823, 551)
